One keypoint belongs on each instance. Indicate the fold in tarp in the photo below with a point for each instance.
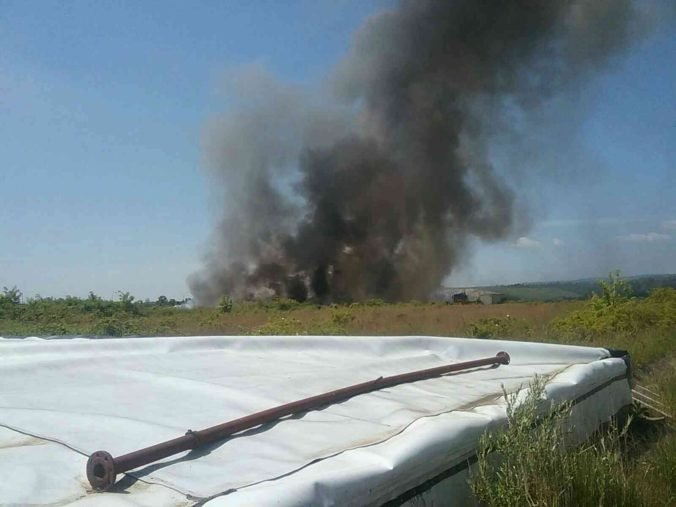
(61, 400)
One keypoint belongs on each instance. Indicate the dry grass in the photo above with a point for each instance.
(447, 320)
(395, 320)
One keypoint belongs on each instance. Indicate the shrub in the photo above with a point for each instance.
(10, 302)
(114, 326)
(98, 306)
(225, 304)
(341, 316)
(11, 296)
(126, 302)
(276, 303)
(281, 325)
(500, 327)
(613, 291)
(285, 304)
(604, 315)
(530, 463)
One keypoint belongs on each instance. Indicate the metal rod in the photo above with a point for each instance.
(641, 388)
(638, 394)
(655, 409)
(102, 468)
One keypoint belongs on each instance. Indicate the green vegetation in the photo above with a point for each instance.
(530, 462)
(617, 313)
(70, 315)
(226, 304)
(335, 324)
(498, 327)
(646, 327)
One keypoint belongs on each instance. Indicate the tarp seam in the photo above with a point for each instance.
(82, 453)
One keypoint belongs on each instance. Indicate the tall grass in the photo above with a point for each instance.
(532, 463)
(529, 464)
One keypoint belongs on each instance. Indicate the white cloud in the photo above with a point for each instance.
(648, 237)
(557, 242)
(669, 225)
(529, 243)
(601, 221)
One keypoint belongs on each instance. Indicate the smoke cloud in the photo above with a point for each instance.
(377, 190)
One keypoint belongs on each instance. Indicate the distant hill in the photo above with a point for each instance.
(576, 289)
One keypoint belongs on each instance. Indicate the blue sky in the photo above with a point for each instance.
(103, 105)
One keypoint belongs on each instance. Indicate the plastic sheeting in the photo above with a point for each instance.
(61, 400)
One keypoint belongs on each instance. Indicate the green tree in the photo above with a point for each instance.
(10, 299)
(614, 291)
(127, 302)
(11, 296)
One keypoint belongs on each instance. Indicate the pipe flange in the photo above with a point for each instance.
(504, 357)
(101, 470)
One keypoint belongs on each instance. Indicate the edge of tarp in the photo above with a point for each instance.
(472, 459)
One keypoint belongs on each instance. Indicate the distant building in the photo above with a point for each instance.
(491, 298)
(468, 295)
(485, 297)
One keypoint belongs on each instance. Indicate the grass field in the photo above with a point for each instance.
(94, 316)
(643, 467)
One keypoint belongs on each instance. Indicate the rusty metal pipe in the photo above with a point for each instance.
(102, 468)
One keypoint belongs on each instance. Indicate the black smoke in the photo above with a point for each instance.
(376, 191)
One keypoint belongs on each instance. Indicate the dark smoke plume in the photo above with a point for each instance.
(376, 192)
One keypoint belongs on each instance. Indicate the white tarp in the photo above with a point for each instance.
(61, 400)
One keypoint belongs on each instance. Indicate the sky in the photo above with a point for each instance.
(103, 107)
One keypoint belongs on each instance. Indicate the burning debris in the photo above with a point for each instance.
(376, 191)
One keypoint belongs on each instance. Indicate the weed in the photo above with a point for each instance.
(531, 463)
(614, 313)
(500, 327)
(281, 325)
(114, 326)
(342, 316)
(285, 325)
(225, 304)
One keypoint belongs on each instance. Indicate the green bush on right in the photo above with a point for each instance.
(615, 312)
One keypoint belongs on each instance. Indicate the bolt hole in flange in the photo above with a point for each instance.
(99, 471)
